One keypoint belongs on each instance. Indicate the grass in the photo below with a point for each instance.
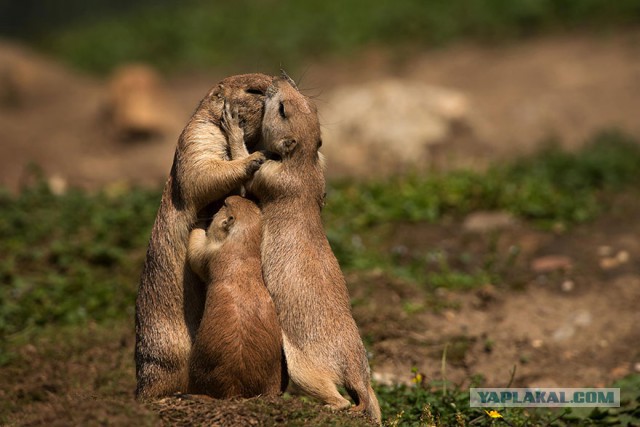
(551, 187)
(271, 33)
(70, 259)
(431, 404)
(73, 261)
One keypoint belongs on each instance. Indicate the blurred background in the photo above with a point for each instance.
(483, 161)
(429, 85)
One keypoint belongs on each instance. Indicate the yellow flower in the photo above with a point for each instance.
(493, 414)
(417, 379)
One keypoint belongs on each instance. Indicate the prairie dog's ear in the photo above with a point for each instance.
(288, 145)
(228, 222)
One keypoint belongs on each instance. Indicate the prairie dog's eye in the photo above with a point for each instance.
(281, 111)
(253, 91)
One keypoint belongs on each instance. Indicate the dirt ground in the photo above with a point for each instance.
(569, 323)
(567, 317)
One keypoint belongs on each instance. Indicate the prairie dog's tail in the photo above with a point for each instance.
(373, 407)
(367, 401)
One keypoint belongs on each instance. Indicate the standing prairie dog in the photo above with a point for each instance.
(205, 170)
(238, 347)
(321, 342)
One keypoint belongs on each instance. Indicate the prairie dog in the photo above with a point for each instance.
(321, 342)
(238, 347)
(171, 297)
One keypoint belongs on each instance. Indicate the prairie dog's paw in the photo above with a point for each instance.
(230, 123)
(197, 232)
(340, 406)
(254, 161)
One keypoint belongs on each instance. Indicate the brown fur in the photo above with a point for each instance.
(321, 341)
(171, 297)
(238, 347)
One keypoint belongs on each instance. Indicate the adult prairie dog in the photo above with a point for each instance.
(205, 170)
(238, 347)
(321, 342)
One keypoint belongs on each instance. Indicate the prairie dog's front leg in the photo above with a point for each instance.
(230, 125)
(265, 180)
(199, 252)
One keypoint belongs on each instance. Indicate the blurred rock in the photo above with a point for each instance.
(620, 371)
(567, 286)
(16, 79)
(483, 222)
(386, 378)
(609, 263)
(604, 250)
(578, 319)
(550, 263)
(387, 126)
(622, 257)
(486, 295)
(563, 333)
(582, 318)
(137, 105)
(57, 184)
(450, 315)
(25, 77)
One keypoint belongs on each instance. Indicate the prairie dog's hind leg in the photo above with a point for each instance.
(312, 379)
(326, 391)
(323, 388)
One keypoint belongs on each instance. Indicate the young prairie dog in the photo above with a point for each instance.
(238, 347)
(321, 342)
(206, 168)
